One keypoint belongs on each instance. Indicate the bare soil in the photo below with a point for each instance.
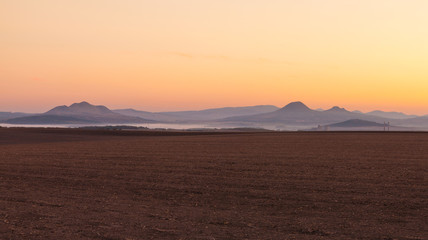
(94, 184)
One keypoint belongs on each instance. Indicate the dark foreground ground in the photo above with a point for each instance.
(76, 184)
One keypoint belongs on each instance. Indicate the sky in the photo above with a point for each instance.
(168, 55)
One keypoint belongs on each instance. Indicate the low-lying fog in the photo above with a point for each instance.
(180, 126)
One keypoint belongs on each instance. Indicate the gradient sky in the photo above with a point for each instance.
(160, 55)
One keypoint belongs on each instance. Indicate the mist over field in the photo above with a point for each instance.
(292, 117)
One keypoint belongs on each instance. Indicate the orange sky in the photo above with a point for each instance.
(183, 54)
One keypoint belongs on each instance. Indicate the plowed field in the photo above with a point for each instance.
(92, 184)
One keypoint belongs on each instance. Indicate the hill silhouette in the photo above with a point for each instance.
(9, 115)
(392, 115)
(48, 119)
(199, 115)
(297, 113)
(292, 116)
(78, 113)
(356, 123)
(295, 107)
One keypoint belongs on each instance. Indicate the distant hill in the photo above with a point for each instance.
(293, 116)
(78, 113)
(159, 117)
(9, 115)
(341, 114)
(291, 113)
(48, 119)
(200, 115)
(357, 123)
(393, 115)
(297, 113)
(218, 113)
(416, 122)
(337, 109)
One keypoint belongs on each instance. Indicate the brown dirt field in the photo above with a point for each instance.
(82, 184)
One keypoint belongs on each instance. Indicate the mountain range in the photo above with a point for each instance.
(202, 115)
(9, 115)
(77, 113)
(297, 113)
(293, 116)
(359, 125)
(393, 115)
